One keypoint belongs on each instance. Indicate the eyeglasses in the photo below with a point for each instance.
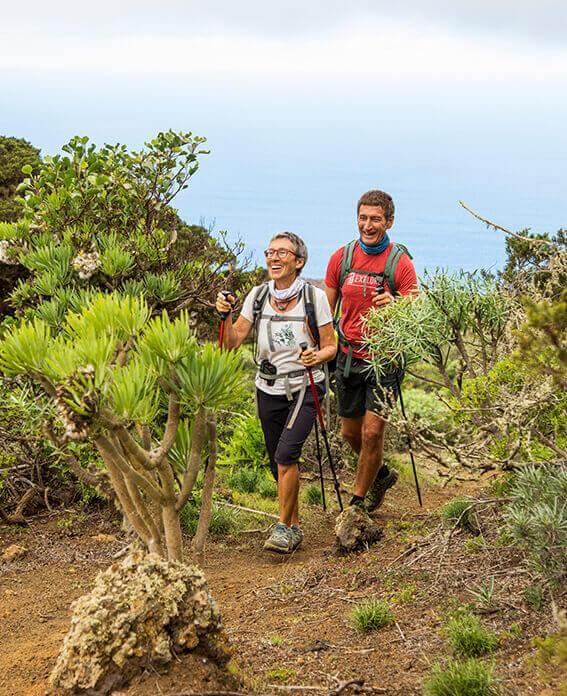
(280, 253)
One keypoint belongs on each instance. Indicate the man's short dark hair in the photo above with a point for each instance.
(381, 198)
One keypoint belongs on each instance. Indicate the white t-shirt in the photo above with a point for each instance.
(278, 340)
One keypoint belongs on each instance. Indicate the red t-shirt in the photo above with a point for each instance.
(358, 288)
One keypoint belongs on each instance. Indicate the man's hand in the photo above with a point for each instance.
(224, 302)
(382, 299)
(309, 357)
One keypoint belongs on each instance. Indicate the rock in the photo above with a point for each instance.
(139, 614)
(104, 538)
(354, 529)
(14, 552)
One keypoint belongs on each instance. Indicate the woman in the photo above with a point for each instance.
(285, 402)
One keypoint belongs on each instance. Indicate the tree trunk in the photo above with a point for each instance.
(172, 527)
(207, 496)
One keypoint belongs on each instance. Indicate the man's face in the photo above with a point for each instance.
(372, 223)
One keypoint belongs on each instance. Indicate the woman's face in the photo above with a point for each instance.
(282, 268)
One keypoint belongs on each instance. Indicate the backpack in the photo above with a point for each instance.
(262, 294)
(396, 253)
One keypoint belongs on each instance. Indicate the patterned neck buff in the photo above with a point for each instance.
(287, 293)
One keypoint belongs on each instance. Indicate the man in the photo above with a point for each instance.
(368, 272)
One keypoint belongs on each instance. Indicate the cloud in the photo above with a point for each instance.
(541, 21)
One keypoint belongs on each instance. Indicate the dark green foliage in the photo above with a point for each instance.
(245, 480)
(371, 615)
(246, 446)
(15, 153)
(267, 487)
(313, 495)
(468, 678)
(528, 262)
(534, 596)
(468, 637)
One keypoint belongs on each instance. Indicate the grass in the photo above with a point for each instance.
(267, 488)
(469, 638)
(281, 674)
(371, 615)
(405, 595)
(468, 678)
(223, 521)
(312, 494)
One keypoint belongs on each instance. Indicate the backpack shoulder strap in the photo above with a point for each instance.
(346, 262)
(259, 302)
(398, 250)
(310, 313)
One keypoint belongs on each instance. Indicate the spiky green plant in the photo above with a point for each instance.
(468, 637)
(456, 678)
(110, 371)
(371, 615)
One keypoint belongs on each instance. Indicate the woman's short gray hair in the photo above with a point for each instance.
(298, 243)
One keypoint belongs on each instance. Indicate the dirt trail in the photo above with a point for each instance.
(286, 616)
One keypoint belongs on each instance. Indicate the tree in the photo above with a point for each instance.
(108, 373)
(15, 153)
(100, 219)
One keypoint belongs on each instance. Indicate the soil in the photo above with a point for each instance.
(287, 616)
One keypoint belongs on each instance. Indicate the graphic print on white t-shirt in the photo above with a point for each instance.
(286, 336)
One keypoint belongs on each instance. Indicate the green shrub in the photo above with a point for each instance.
(312, 494)
(371, 615)
(469, 638)
(468, 678)
(246, 447)
(426, 408)
(458, 512)
(534, 596)
(536, 519)
(245, 480)
(267, 487)
(223, 520)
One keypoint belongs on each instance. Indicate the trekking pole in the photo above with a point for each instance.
(380, 291)
(303, 347)
(223, 316)
(413, 466)
(320, 461)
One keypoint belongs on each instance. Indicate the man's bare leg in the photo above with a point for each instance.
(366, 433)
(288, 493)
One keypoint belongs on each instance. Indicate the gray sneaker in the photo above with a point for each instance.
(375, 496)
(296, 536)
(280, 540)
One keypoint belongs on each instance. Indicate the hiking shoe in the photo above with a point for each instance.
(296, 536)
(375, 496)
(280, 540)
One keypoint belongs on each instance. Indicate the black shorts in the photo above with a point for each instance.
(360, 391)
(284, 445)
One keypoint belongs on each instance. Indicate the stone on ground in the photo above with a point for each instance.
(13, 552)
(354, 529)
(141, 612)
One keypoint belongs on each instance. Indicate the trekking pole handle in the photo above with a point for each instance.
(227, 294)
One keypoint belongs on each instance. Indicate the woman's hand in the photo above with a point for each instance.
(224, 302)
(310, 357)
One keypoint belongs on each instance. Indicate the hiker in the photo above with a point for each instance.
(368, 272)
(285, 312)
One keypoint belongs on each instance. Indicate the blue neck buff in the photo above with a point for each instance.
(375, 248)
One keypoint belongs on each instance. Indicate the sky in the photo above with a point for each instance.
(305, 105)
